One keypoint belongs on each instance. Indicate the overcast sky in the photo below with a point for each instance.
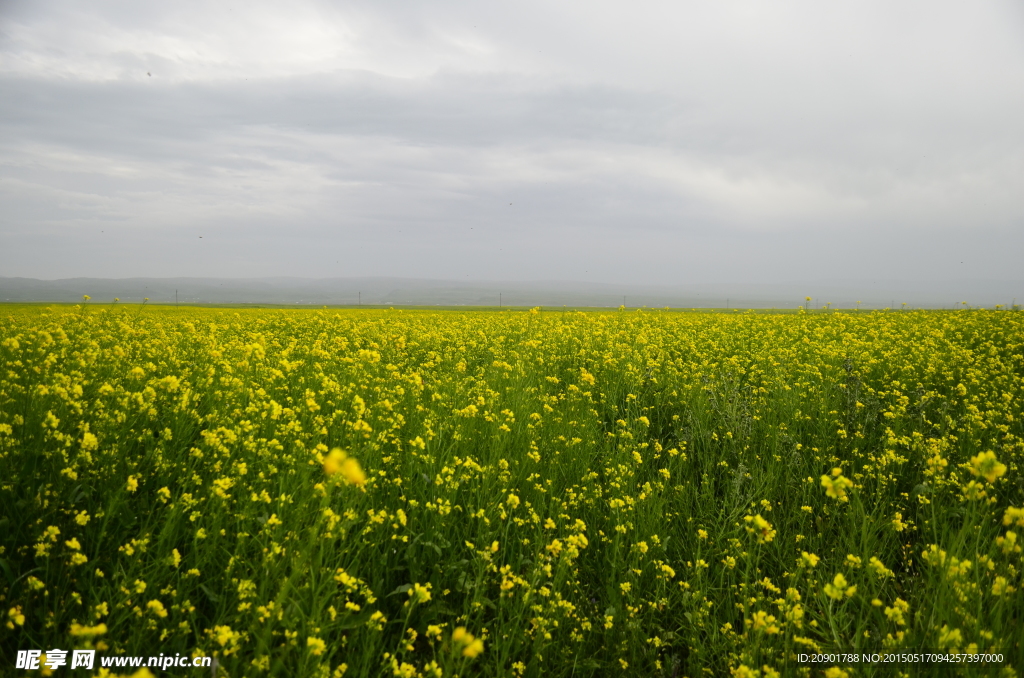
(627, 142)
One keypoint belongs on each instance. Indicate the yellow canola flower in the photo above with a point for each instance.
(896, 613)
(338, 463)
(79, 630)
(420, 593)
(839, 588)
(950, 638)
(1008, 542)
(987, 466)
(157, 608)
(16, 617)
(315, 362)
(225, 635)
(837, 485)
(762, 622)
(466, 643)
(760, 527)
(1001, 587)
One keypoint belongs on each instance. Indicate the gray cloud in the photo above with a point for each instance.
(654, 143)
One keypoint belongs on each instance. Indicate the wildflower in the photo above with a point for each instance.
(16, 617)
(465, 642)
(81, 631)
(839, 588)
(169, 383)
(225, 636)
(879, 568)
(974, 491)
(1014, 516)
(157, 608)
(762, 622)
(949, 637)
(808, 559)
(337, 462)
(316, 646)
(221, 487)
(1001, 587)
(987, 466)
(837, 485)
(133, 483)
(896, 613)
(1008, 542)
(420, 593)
(759, 526)
(345, 579)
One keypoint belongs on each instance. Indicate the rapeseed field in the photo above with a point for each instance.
(411, 493)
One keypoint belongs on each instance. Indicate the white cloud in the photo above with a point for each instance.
(398, 124)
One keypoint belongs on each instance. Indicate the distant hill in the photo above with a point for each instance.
(415, 292)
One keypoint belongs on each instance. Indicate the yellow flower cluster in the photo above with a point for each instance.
(330, 492)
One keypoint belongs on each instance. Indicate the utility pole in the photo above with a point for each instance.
(360, 298)
(499, 299)
(175, 298)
